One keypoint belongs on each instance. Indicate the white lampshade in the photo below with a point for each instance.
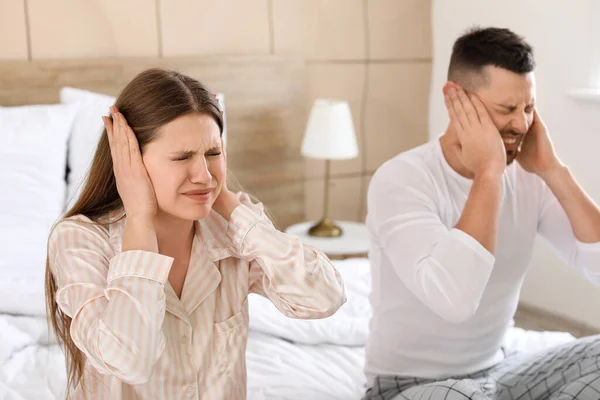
(330, 133)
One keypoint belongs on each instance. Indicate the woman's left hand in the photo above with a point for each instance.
(226, 201)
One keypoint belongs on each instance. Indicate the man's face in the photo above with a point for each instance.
(510, 100)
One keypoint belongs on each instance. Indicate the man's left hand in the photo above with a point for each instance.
(537, 153)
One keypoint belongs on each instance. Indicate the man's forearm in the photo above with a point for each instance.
(583, 212)
(481, 215)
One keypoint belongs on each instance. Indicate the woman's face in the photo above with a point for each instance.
(186, 164)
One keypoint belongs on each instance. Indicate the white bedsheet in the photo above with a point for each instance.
(32, 368)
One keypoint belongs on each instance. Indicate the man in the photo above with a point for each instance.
(453, 224)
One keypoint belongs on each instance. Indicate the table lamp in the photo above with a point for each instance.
(329, 136)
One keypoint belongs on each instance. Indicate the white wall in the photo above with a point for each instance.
(563, 35)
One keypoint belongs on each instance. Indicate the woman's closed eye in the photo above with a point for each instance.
(186, 156)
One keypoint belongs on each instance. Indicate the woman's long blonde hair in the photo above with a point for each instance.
(152, 99)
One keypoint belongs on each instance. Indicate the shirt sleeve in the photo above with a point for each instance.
(555, 228)
(445, 268)
(117, 304)
(299, 280)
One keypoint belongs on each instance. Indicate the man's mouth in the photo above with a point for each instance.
(512, 143)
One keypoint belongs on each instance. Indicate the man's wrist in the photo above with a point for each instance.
(555, 175)
(489, 176)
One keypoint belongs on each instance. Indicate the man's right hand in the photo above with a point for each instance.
(482, 150)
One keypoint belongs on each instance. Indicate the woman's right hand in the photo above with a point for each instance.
(133, 182)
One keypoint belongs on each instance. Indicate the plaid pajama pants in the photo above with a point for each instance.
(566, 372)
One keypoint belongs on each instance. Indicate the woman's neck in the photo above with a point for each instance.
(173, 234)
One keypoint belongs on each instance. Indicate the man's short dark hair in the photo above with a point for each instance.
(480, 47)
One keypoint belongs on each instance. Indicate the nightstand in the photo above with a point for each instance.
(354, 241)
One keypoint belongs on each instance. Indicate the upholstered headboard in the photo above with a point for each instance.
(265, 100)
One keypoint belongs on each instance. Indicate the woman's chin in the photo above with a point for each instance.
(199, 212)
(194, 213)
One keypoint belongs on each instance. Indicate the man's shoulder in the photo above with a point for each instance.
(418, 160)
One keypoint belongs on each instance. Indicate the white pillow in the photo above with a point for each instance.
(86, 133)
(349, 326)
(33, 149)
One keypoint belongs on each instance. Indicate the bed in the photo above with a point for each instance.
(45, 146)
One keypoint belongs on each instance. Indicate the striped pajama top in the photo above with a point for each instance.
(143, 342)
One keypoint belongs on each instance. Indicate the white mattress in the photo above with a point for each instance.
(32, 368)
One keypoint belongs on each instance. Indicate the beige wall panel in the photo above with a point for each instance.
(399, 29)
(199, 27)
(93, 28)
(396, 116)
(320, 29)
(13, 30)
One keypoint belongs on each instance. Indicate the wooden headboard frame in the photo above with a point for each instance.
(265, 100)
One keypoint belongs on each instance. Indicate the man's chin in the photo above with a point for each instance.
(510, 159)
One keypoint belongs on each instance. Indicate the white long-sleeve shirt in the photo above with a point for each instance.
(441, 302)
(141, 341)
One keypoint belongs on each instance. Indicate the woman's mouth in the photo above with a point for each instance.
(200, 196)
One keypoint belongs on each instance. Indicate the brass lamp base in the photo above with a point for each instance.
(325, 228)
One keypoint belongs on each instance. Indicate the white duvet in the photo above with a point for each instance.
(287, 359)
(32, 368)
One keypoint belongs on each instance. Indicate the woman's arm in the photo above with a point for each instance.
(117, 304)
(301, 281)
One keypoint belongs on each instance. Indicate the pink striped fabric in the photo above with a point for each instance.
(142, 342)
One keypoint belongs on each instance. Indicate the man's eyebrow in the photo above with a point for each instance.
(510, 107)
(507, 106)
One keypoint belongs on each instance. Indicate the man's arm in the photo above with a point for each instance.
(481, 215)
(569, 218)
(481, 151)
(444, 267)
(582, 211)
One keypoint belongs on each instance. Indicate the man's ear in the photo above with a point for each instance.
(450, 85)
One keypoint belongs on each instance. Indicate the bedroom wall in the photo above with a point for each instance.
(376, 54)
(565, 38)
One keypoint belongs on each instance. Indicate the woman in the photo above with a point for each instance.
(148, 274)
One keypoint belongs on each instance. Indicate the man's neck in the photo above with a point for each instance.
(451, 149)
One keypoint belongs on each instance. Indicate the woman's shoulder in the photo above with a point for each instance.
(250, 201)
(80, 227)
